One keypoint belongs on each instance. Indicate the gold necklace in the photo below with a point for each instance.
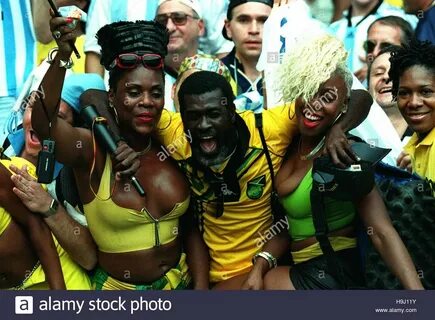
(148, 147)
(313, 152)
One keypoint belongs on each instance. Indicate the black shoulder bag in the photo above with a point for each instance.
(410, 203)
(341, 184)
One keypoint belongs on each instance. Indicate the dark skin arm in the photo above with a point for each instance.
(73, 237)
(336, 143)
(38, 231)
(198, 258)
(387, 241)
(68, 138)
(277, 247)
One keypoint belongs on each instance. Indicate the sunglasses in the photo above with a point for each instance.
(178, 18)
(132, 60)
(369, 45)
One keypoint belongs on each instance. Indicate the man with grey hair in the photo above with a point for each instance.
(183, 20)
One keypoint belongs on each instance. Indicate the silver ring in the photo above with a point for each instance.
(57, 34)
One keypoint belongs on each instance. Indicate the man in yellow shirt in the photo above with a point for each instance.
(221, 153)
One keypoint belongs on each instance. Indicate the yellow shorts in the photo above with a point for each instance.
(177, 278)
(75, 277)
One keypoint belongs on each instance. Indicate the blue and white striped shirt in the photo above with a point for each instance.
(17, 45)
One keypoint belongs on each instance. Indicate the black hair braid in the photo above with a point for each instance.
(417, 53)
(126, 36)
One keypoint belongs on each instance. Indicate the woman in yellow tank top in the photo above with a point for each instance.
(138, 238)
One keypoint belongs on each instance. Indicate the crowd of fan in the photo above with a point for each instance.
(221, 110)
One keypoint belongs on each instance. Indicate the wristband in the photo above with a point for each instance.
(51, 210)
(271, 260)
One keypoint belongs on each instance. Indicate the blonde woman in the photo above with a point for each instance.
(320, 86)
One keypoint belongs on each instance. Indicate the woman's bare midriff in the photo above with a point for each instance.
(144, 266)
(17, 258)
(344, 232)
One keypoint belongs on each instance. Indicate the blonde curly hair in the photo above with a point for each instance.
(310, 64)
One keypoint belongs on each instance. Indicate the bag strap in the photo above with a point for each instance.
(322, 230)
(274, 195)
(259, 126)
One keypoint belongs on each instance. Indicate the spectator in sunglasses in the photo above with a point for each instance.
(138, 239)
(425, 11)
(185, 26)
(103, 12)
(382, 33)
(352, 29)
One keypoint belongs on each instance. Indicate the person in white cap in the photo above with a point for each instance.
(185, 25)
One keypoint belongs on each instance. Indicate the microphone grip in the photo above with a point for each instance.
(105, 137)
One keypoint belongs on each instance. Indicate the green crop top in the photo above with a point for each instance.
(298, 207)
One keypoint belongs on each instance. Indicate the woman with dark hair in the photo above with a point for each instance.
(413, 75)
(138, 238)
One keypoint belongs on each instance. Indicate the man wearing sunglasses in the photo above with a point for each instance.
(352, 29)
(185, 26)
(384, 32)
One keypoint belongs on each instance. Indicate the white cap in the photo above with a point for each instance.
(193, 4)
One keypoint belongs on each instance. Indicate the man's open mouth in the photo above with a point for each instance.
(385, 90)
(33, 138)
(208, 144)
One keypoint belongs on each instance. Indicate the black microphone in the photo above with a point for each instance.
(90, 114)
